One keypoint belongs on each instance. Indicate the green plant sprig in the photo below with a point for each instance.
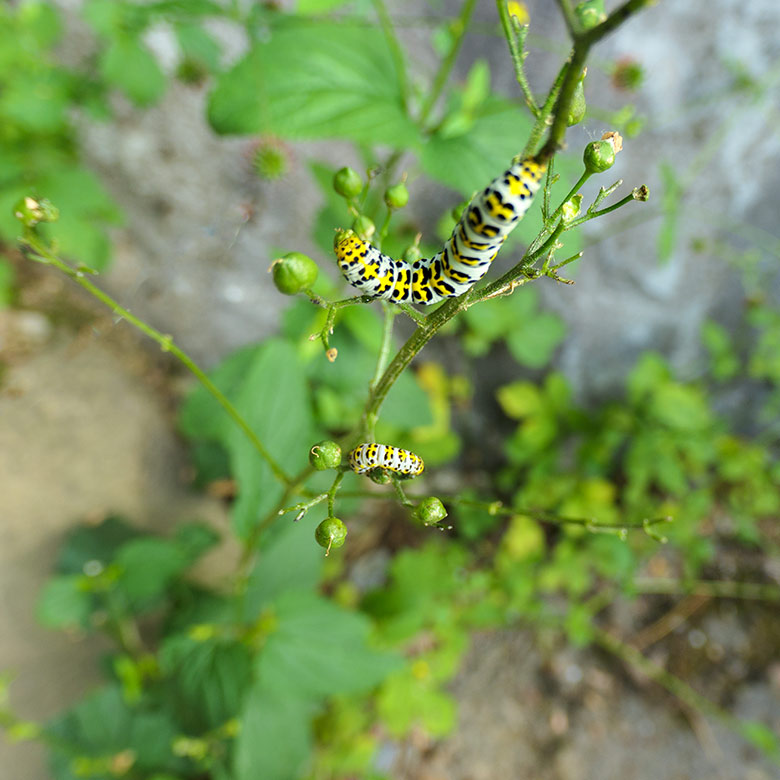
(583, 41)
(460, 26)
(516, 34)
(766, 741)
(36, 249)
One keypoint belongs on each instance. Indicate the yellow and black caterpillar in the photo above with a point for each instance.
(367, 457)
(486, 222)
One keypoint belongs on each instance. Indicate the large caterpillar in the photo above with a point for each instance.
(367, 457)
(486, 222)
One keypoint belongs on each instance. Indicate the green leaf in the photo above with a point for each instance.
(196, 44)
(275, 737)
(64, 603)
(532, 343)
(724, 362)
(129, 65)
(267, 386)
(469, 161)
(319, 649)
(100, 543)
(289, 561)
(319, 6)
(206, 681)
(147, 567)
(520, 400)
(404, 702)
(315, 80)
(195, 539)
(7, 283)
(104, 725)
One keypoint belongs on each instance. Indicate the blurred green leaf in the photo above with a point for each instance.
(64, 603)
(147, 567)
(319, 649)
(467, 162)
(289, 561)
(275, 737)
(315, 80)
(206, 682)
(196, 44)
(92, 542)
(103, 725)
(533, 342)
(128, 65)
(7, 281)
(268, 387)
(405, 701)
(724, 362)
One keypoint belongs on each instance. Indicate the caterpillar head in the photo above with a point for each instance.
(348, 246)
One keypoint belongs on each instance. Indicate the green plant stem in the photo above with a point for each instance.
(677, 687)
(711, 588)
(332, 493)
(399, 492)
(516, 43)
(600, 213)
(44, 255)
(582, 44)
(543, 119)
(440, 79)
(396, 50)
(568, 17)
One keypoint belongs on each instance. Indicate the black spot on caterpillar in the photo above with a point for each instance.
(367, 457)
(486, 222)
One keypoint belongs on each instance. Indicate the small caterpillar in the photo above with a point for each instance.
(367, 457)
(467, 254)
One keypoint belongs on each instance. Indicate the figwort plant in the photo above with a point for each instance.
(238, 683)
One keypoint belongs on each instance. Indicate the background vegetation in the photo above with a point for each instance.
(290, 669)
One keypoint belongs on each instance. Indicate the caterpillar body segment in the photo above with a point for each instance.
(467, 254)
(370, 456)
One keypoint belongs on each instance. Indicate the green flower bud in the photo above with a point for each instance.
(325, 455)
(30, 211)
(347, 183)
(578, 106)
(270, 161)
(628, 74)
(330, 533)
(293, 272)
(590, 13)
(412, 254)
(364, 227)
(641, 194)
(571, 208)
(599, 156)
(429, 512)
(397, 196)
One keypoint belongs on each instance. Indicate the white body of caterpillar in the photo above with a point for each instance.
(367, 457)
(486, 222)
